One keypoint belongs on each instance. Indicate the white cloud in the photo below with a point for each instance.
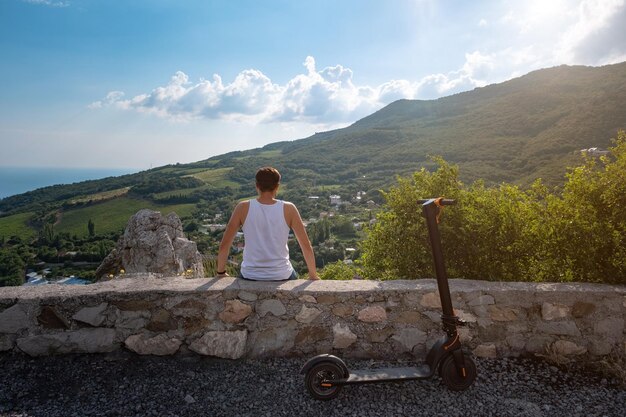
(50, 3)
(482, 23)
(327, 96)
(538, 34)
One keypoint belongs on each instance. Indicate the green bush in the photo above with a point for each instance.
(506, 233)
(339, 271)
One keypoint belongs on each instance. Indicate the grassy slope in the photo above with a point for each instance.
(16, 225)
(112, 215)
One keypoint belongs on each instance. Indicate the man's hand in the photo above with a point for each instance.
(314, 278)
(224, 275)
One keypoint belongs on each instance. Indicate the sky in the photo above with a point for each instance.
(136, 84)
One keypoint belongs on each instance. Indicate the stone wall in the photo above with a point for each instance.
(233, 318)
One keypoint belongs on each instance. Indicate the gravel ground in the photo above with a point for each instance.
(126, 384)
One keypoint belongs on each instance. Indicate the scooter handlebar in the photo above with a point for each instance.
(443, 202)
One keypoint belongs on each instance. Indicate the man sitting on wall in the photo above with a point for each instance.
(266, 222)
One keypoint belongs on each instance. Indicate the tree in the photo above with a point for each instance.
(11, 269)
(91, 227)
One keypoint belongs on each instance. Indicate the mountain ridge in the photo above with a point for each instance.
(516, 131)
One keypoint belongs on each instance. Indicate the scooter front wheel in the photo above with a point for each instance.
(316, 380)
(451, 376)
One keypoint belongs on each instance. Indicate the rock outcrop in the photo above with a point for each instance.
(153, 243)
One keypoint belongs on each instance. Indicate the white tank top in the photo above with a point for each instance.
(265, 231)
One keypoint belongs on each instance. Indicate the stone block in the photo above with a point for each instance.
(223, 344)
(407, 317)
(91, 315)
(342, 336)
(551, 311)
(372, 314)
(379, 336)
(538, 343)
(409, 338)
(481, 300)
(247, 296)
(7, 341)
(308, 299)
(567, 348)
(465, 316)
(328, 299)
(307, 314)
(50, 318)
(504, 313)
(431, 300)
(600, 347)
(486, 350)
(132, 320)
(611, 327)
(275, 341)
(16, 318)
(193, 325)
(134, 305)
(582, 309)
(79, 341)
(235, 312)
(343, 310)
(311, 334)
(560, 328)
(160, 345)
(465, 334)
(516, 342)
(274, 307)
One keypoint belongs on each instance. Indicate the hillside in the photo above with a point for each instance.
(529, 127)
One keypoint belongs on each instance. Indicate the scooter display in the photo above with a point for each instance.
(325, 374)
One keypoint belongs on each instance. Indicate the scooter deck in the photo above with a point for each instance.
(361, 376)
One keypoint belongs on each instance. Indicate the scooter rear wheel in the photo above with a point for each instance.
(318, 375)
(451, 376)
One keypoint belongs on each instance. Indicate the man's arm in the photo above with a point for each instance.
(236, 221)
(294, 221)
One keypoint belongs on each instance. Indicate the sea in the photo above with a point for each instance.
(17, 180)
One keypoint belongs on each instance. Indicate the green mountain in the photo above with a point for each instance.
(516, 131)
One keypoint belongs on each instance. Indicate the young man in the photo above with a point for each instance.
(265, 222)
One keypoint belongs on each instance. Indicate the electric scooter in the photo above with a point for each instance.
(325, 375)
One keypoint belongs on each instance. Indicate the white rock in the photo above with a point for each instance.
(342, 336)
(307, 314)
(274, 307)
(91, 315)
(153, 243)
(132, 320)
(223, 344)
(189, 399)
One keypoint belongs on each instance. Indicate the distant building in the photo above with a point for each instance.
(594, 152)
(314, 197)
(335, 199)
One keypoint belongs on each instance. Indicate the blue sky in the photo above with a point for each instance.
(140, 83)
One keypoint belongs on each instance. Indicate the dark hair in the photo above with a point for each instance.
(267, 179)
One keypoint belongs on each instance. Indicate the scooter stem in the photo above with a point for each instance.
(430, 210)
